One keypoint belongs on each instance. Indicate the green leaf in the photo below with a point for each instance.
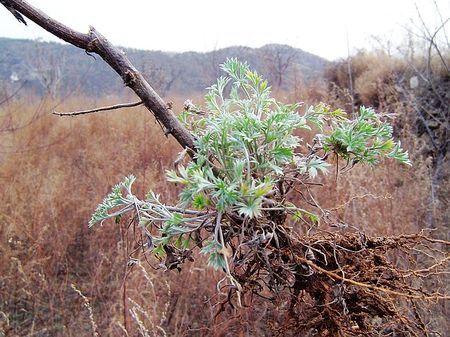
(400, 155)
(262, 189)
(283, 154)
(109, 207)
(251, 209)
(159, 251)
(297, 215)
(175, 219)
(173, 177)
(217, 261)
(211, 246)
(312, 166)
(314, 218)
(363, 140)
(200, 201)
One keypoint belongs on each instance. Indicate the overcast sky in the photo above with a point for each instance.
(317, 26)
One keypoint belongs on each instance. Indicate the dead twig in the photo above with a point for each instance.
(105, 108)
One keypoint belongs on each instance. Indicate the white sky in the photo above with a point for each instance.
(316, 26)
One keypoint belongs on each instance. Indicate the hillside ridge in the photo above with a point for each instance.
(60, 69)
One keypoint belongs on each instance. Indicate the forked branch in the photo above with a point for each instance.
(94, 42)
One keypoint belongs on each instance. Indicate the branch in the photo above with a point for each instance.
(14, 93)
(104, 108)
(94, 42)
(13, 12)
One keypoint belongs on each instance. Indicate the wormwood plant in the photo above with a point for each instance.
(247, 193)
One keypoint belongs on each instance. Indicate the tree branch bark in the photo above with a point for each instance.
(94, 42)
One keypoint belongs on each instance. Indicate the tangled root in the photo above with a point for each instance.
(345, 283)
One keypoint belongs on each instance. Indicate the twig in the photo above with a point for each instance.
(14, 93)
(104, 108)
(430, 38)
(442, 21)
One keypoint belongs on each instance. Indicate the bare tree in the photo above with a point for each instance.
(424, 87)
(278, 61)
(162, 78)
(45, 67)
(212, 69)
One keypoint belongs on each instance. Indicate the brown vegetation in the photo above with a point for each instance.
(57, 278)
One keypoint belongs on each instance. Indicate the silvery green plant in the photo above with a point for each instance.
(248, 156)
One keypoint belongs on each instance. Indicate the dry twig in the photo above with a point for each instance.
(105, 108)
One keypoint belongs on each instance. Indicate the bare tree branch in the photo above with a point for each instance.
(94, 42)
(103, 108)
(438, 11)
(14, 93)
(431, 36)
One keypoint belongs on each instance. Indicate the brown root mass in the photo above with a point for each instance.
(343, 283)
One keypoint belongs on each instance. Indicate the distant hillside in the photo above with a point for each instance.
(62, 69)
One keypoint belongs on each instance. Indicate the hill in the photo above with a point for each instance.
(62, 69)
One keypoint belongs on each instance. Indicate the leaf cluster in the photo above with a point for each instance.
(248, 156)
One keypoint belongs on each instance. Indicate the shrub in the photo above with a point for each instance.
(236, 207)
(247, 159)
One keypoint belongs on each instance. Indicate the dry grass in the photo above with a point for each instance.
(54, 171)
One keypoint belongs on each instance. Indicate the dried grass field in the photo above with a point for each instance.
(59, 278)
